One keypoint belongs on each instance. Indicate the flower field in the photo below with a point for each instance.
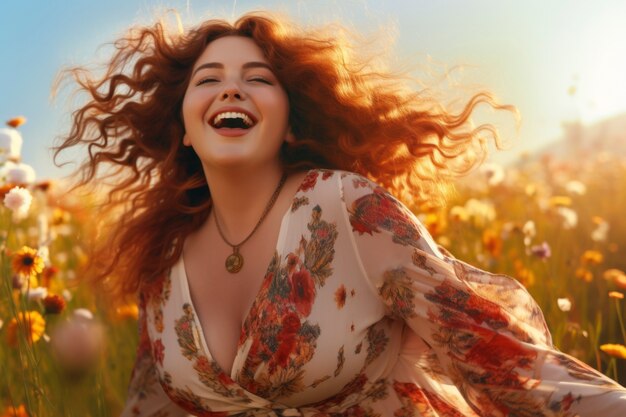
(555, 225)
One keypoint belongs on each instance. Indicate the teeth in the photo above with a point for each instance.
(233, 115)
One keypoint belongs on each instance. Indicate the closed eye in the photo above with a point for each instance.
(261, 80)
(207, 80)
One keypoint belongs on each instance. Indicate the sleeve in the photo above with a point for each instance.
(488, 335)
(146, 398)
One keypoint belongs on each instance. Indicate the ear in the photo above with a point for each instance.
(290, 137)
(186, 140)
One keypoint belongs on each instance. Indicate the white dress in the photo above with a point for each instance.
(360, 314)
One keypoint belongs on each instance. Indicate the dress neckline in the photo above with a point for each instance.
(186, 293)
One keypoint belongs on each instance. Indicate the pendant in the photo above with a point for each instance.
(234, 262)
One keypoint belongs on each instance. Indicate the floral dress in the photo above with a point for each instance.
(360, 314)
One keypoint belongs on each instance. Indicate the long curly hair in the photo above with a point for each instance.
(344, 113)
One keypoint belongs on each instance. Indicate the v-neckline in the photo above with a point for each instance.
(186, 292)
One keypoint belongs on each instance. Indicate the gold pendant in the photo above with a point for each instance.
(234, 262)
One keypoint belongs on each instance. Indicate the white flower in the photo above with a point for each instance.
(10, 144)
(481, 212)
(601, 231)
(38, 293)
(569, 216)
(18, 200)
(530, 231)
(83, 313)
(493, 172)
(564, 304)
(66, 294)
(576, 187)
(19, 174)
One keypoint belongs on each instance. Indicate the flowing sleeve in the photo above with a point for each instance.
(487, 335)
(146, 398)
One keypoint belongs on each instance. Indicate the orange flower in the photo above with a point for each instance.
(129, 311)
(492, 242)
(584, 274)
(523, 274)
(48, 274)
(619, 351)
(616, 294)
(591, 257)
(16, 121)
(616, 276)
(27, 262)
(11, 411)
(31, 322)
(53, 304)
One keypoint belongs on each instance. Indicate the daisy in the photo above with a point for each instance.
(31, 322)
(27, 262)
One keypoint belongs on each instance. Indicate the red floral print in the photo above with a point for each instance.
(340, 296)
(302, 292)
(378, 210)
(309, 181)
(158, 351)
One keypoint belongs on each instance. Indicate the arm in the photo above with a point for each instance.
(487, 333)
(146, 398)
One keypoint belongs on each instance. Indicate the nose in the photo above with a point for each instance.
(232, 93)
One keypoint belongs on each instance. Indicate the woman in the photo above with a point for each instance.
(274, 278)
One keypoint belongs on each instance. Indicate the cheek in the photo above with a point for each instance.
(194, 106)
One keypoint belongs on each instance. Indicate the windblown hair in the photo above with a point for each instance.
(344, 114)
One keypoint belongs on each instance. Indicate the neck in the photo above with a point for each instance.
(241, 196)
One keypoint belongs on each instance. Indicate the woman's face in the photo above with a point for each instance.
(235, 111)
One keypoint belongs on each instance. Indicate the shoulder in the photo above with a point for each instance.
(328, 179)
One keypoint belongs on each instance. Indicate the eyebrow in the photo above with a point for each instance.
(247, 65)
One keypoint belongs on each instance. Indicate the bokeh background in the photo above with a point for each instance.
(557, 61)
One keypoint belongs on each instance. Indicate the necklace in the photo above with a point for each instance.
(234, 261)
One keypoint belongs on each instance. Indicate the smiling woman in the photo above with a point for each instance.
(235, 111)
(334, 301)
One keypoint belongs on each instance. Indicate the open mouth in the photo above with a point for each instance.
(232, 120)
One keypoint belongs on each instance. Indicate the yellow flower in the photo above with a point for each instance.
(11, 411)
(591, 257)
(31, 322)
(619, 351)
(26, 262)
(435, 223)
(560, 201)
(616, 294)
(458, 214)
(60, 216)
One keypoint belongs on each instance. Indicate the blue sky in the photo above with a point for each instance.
(529, 53)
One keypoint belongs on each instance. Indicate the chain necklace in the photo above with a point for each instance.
(234, 261)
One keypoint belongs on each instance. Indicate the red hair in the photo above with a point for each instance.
(343, 114)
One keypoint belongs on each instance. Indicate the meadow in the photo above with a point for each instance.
(556, 225)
